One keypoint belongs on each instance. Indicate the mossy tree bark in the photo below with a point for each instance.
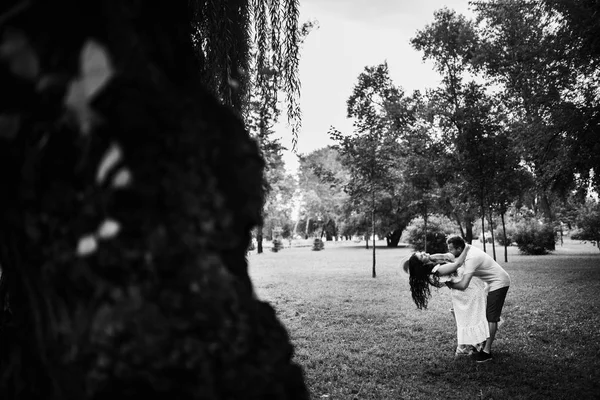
(127, 198)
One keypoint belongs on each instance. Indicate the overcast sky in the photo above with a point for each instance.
(353, 34)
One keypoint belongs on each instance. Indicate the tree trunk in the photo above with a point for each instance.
(546, 207)
(469, 222)
(505, 238)
(482, 221)
(124, 224)
(259, 240)
(491, 223)
(425, 229)
(393, 238)
(374, 273)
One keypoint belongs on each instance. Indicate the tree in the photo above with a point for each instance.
(233, 63)
(371, 152)
(451, 43)
(588, 223)
(262, 113)
(554, 101)
(321, 186)
(128, 195)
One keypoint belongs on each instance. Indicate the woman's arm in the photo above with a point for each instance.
(447, 269)
(441, 257)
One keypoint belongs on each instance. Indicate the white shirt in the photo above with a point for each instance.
(485, 268)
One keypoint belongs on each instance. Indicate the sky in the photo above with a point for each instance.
(353, 34)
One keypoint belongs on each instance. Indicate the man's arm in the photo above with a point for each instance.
(447, 269)
(462, 284)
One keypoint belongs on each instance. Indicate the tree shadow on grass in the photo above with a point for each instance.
(516, 376)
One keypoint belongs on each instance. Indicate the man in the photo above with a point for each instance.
(481, 265)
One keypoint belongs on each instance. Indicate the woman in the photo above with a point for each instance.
(469, 305)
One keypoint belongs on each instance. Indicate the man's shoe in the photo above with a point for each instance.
(482, 356)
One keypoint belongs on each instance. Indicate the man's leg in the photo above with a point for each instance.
(495, 302)
(488, 342)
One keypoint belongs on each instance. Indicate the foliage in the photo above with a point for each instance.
(529, 50)
(588, 223)
(436, 236)
(534, 238)
(372, 153)
(321, 182)
(499, 235)
(277, 245)
(450, 42)
(318, 244)
(233, 63)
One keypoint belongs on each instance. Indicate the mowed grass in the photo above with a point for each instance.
(359, 337)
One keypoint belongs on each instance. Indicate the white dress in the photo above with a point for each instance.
(469, 311)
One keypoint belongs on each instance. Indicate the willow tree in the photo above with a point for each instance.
(128, 192)
(234, 62)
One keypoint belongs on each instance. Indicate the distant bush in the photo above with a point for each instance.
(588, 223)
(277, 245)
(436, 237)
(510, 234)
(535, 239)
(318, 245)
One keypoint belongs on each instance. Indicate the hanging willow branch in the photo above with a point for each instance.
(234, 62)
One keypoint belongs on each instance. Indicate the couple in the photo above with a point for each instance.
(478, 290)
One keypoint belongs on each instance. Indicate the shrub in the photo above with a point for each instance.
(436, 237)
(318, 244)
(535, 239)
(277, 245)
(588, 223)
(510, 234)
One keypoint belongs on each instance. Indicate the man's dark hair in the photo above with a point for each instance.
(456, 241)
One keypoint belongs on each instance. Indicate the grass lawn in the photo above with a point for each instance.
(359, 337)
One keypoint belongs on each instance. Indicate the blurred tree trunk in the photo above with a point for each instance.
(259, 239)
(128, 196)
(392, 239)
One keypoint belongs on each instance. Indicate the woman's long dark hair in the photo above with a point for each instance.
(420, 279)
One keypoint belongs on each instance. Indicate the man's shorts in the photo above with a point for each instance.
(495, 302)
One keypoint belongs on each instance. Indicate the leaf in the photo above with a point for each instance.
(122, 178)
(9, 125)
(108, 229)
(96, 68)
(87, 245)
(95, 72)
(21, 57)
(111, 157)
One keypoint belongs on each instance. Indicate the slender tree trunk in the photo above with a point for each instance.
(373, 231)
(483, 223)
(425, 228)
(561, 234)
(492, 233)
(259, 240)
(505, 238)
(459, 223)
(469, 233)
(306, 230)
(469, 222)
